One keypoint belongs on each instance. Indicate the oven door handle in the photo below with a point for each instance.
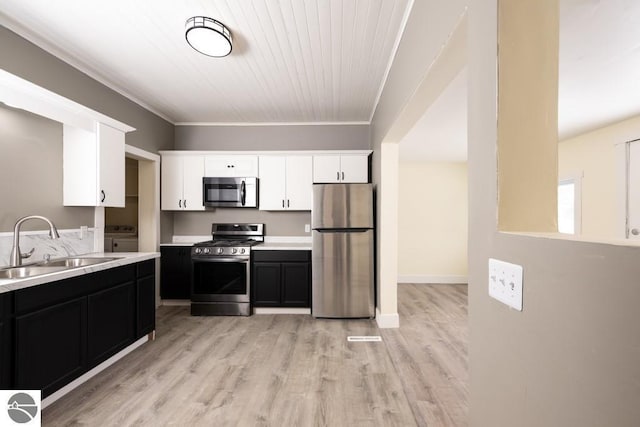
(220, 259)
(243, 193)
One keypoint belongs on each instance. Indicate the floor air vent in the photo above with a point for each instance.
(369, 338)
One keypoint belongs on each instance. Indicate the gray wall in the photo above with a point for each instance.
(261, 138)
(31, 172)
(570, 358)
(276, 223)
(265, 138)
(24, 59)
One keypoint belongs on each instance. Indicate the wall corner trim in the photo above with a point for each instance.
(385, 321)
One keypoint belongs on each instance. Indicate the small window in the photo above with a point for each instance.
(569, 206)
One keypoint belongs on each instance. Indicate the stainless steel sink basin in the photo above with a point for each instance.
(76, 262)
(28, 271)
(46, 267)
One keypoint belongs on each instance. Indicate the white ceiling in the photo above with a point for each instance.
(292, 60)
(599, 81)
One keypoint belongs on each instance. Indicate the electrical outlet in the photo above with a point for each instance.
(505, 283)
(307, 228)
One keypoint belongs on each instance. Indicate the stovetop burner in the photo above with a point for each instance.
(230, 240)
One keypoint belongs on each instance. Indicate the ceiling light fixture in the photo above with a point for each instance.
(208, 36)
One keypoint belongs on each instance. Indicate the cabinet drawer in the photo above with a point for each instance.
(281, 256)
(51, 293)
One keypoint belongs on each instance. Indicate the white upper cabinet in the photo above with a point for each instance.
(181, 182)
(348, 168)
(93, 166)
(223, 165)
(285, 183)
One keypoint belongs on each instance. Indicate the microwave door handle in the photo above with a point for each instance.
(243, 193)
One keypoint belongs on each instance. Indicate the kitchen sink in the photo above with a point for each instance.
(75, 262)
(28, 271)
(46, 267)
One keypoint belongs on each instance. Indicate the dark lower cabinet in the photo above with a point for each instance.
(266, 279)
(296, 278)
(51, 346)
(146, 297)
(63, 329)
(175, 272)
(281, 278)
(111, 321)
(6, 308)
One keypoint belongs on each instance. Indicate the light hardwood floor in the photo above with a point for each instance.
(287, 370)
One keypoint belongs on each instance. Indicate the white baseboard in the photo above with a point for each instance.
(433, 279)
(174, 302)
(387, 320)
(93, 372)
(281, 310)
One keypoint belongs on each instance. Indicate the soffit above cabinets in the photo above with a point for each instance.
(293, 61)
(16, 92)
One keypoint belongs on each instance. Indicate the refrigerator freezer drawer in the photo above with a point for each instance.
(342, 274)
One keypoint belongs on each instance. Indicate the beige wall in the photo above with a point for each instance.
(432, 222)
(570, 358)
(593, 154)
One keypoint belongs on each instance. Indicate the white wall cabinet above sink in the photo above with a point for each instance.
(181, 182)
(351, 168)
(93, 166)
(285, 183)
(231, 165)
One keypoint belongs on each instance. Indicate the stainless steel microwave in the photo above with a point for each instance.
(230, 192)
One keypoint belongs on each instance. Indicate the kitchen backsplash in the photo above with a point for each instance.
(70, 243)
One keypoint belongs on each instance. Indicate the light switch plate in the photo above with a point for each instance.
(307, 228)
(505, 283)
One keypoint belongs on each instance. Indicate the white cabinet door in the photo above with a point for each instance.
(110, 166)
(354, 168)
(193, 171)
(299, 183)
(181, 182)
(326, 169)
(272, 183)
(231, 166)
(93, 166)
(171, 183)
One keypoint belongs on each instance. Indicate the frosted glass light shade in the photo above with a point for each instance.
(208, 36)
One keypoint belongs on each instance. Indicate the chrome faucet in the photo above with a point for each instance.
(16, 255)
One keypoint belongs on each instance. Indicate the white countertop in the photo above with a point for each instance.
(282, 246)
(123, 258)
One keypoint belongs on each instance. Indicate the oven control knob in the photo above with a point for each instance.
(220, 250)
(206, 250)
(242, 250)
(234, 250)
(197, 250)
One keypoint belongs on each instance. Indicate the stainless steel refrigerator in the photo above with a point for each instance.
(343, 252)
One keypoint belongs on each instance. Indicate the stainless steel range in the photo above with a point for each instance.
(221, 280)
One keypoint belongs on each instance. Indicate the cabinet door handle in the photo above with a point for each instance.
(283, 203)
(104, 196)
(343, 176)
(185, 203)
(179, 203)
(338, 176)
(287, 202)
